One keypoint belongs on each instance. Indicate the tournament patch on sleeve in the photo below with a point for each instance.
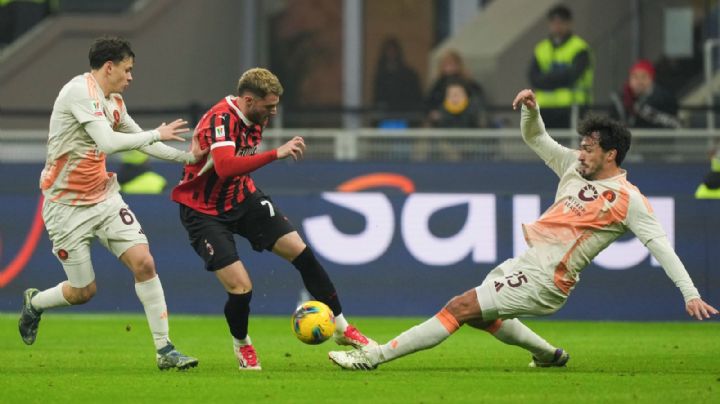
(96, 108)
(219, 133)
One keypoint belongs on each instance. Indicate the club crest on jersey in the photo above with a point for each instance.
(588, 193)
(96, 108)
(219, 133)
(609, 196)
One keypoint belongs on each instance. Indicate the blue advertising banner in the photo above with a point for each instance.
(397, 239)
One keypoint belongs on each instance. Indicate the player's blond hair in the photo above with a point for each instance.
(260, 82)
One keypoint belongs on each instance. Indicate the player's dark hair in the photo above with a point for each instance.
(561, 12)
(110, 48)
(613, 134)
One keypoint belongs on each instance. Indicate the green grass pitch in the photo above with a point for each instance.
(109, 358)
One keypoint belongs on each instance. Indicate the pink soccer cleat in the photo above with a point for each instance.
(353, 337)
(247, 358)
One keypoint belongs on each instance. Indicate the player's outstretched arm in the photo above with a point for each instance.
(699, 309)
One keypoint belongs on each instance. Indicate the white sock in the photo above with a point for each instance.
(237, 343)
(152, 297)
(340, 324)
(423, 336)
(513, 332)
(49, 298)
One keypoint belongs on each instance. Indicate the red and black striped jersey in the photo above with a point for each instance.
(201, 187)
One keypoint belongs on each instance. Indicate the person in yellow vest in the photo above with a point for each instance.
(561, 71)
(136, 177)
(710, 187)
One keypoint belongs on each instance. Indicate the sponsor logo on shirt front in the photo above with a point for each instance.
(588, 193)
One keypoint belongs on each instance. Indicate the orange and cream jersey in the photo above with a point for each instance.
(75, 171)
(586, 216)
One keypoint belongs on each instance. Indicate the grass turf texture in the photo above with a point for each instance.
(110, 358)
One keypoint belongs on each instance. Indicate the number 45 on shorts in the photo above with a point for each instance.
(514, 280)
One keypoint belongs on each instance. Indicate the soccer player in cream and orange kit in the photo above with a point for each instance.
(82, 200)
(594, 205)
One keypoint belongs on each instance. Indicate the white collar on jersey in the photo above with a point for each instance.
(231, 101)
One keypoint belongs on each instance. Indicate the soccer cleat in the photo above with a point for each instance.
(356, 359)
(247, 358)
(29, 318)
(559, 360)
(169, 357)
(353, 337)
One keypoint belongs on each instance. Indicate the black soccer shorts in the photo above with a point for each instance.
(257, 219)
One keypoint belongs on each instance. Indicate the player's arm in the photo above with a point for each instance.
(227, 164)
(109, 141)
(555, 155)
(160, 150)
(641, 221)
(675, 270)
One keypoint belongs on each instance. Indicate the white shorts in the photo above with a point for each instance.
(516, 288)
(72, 228)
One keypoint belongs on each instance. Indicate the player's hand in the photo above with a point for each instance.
(525, 97)
(197, 152)
(172, 130)
(699, 309)
(294, 148)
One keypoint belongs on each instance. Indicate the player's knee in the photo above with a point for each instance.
(81, 295)
(240, 288)
(144, 268)
(464, 308)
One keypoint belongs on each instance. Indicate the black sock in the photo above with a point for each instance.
(237, 312)
(316, 280)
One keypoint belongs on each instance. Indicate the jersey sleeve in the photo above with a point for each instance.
(219, 130)
(641, 220)
(556, 156)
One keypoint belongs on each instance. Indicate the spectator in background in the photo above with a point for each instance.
(710, 187)
(459, 109)
(137, 177)
(451, 69)
(397, 93)
(561, 70)
(643, 103)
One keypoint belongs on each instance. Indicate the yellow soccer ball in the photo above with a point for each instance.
(313, 322)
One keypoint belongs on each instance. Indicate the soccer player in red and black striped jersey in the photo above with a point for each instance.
(218, 198)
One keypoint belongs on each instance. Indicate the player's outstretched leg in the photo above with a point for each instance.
(422, 336)
(318, 283)
(514, 332)
(29, 318)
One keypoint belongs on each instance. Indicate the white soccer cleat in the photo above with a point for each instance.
(356, 359)
(354, 338)
(247, 358)
(560, 359)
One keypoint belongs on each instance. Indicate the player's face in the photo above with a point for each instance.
(592, 157)
(120, 75)
(260, 110)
